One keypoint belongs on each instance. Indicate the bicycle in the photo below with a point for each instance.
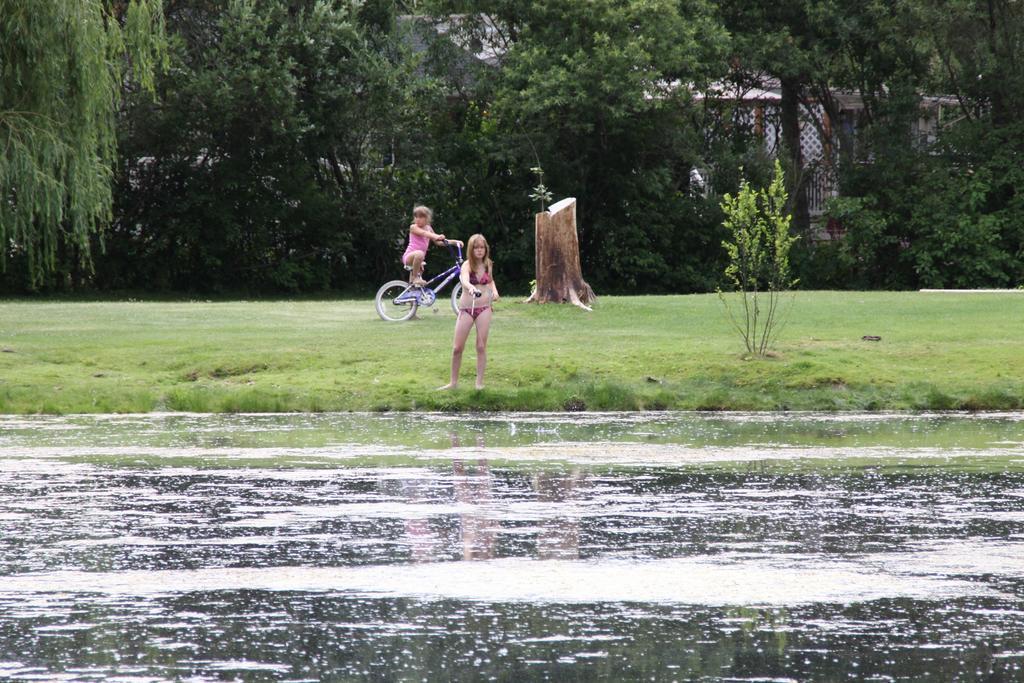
(398, 300)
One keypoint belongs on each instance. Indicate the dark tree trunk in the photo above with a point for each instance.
(790, 112)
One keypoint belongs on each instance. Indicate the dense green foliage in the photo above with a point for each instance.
(946, 212)
(593, 87)
(289, 139)
(262, 166)
(953, 217)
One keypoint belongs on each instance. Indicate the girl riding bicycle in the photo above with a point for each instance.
(421, 234)
(478, 293)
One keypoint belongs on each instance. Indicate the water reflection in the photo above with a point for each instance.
(473, 491)
(470, 564)
(469, 517)
(474, 485)
(559, 535)
(464, 521)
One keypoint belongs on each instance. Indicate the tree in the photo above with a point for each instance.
(775, 39)
(978, 55)
(946, 211)
(758, 267)
(814, 49)
(269, 165)
(369, 115)
(63, 68)
(596, 93)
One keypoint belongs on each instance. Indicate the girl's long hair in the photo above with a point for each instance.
(471, 244)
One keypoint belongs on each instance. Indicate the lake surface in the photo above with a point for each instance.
(567, 547)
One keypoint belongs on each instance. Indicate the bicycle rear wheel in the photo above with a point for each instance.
(456, 293)
(396, 301)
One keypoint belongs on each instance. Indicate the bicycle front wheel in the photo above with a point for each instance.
(456, 293)
(396, 301)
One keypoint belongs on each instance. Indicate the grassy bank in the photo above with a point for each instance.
(937, 352)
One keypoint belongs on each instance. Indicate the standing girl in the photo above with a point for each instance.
(478, 293)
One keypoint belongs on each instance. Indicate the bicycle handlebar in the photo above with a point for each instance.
(453, 247)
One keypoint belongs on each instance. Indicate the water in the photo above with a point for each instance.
(512, 547)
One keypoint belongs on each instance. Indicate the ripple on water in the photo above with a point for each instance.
(703, 580)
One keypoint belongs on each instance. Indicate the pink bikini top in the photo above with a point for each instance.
(486, 279)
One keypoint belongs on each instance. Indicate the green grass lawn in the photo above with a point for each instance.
(937, 352)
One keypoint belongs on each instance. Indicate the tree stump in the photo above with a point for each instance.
(559, 276)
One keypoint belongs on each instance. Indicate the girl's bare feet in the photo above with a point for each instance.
(447, 387)
(479, 387)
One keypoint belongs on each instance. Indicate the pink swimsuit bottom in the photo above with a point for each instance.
(475, 312)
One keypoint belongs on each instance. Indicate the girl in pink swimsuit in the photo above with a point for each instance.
(478, 293)
(421, 234)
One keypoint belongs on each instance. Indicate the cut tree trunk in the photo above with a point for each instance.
(559, 277)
